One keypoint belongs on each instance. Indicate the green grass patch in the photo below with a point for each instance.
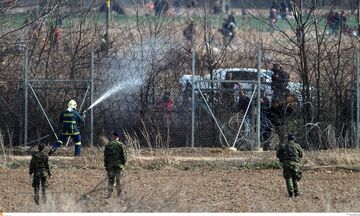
(16, 164)
(243, 22)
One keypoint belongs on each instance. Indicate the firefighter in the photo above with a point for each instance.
(70, 119)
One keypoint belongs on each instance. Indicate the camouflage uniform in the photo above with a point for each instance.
(115, 157)
(39, 168)
(290, 155)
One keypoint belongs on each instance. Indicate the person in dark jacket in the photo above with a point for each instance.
(39, 171)
(277, 114)
(115, 157)
(243, 103)
(280, 81)
(161, 7)
(283, 9)
(216, 9)
(70, 119)
(189, 31)
(343, 21)
(231, 18)
(265, 123)
(290, 155)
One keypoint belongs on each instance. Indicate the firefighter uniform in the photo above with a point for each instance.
(70, 119)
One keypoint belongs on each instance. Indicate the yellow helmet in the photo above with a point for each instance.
(72, 104)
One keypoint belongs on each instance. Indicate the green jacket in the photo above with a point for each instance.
(115, 155)
(290, 152)
(39, 164)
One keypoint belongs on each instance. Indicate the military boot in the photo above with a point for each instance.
(118, 193)
(77, 150)
(297, 193)
(291, 194)
(36, 196)
(36, 199)
(109, 194)
(44, 196)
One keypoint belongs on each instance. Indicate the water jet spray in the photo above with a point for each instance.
(124, 84)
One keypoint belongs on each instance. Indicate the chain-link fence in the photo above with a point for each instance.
(163, 119)
(144, 87)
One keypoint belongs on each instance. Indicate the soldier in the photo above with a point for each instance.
(70, 119)
(115, 157)
(290, 155)
(39, 170)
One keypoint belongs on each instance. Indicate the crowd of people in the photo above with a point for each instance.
(233, 98)
(43, 33)
(273, 112)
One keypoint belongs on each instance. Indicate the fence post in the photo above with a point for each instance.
(258, 108)
(193, 100)
(357, 100)
(26, 83)
(107, 35)
(92, 67)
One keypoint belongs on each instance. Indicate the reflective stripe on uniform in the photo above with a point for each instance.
(69, 122)
(68, 115)
(78, 143)
(70, 134)
(59, 141)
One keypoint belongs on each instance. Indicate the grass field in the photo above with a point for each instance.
(243, 22)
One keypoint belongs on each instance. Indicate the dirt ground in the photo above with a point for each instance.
(216, 182)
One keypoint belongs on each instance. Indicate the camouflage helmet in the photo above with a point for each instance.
(41, 147)
(117, 134)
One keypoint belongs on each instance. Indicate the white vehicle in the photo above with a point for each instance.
(245, 79)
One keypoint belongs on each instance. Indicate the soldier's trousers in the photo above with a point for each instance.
(114, 175)
(291, 178)
(39, 180)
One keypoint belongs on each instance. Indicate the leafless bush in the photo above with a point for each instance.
(2, 146)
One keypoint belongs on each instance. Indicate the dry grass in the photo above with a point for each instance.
(344, 158)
